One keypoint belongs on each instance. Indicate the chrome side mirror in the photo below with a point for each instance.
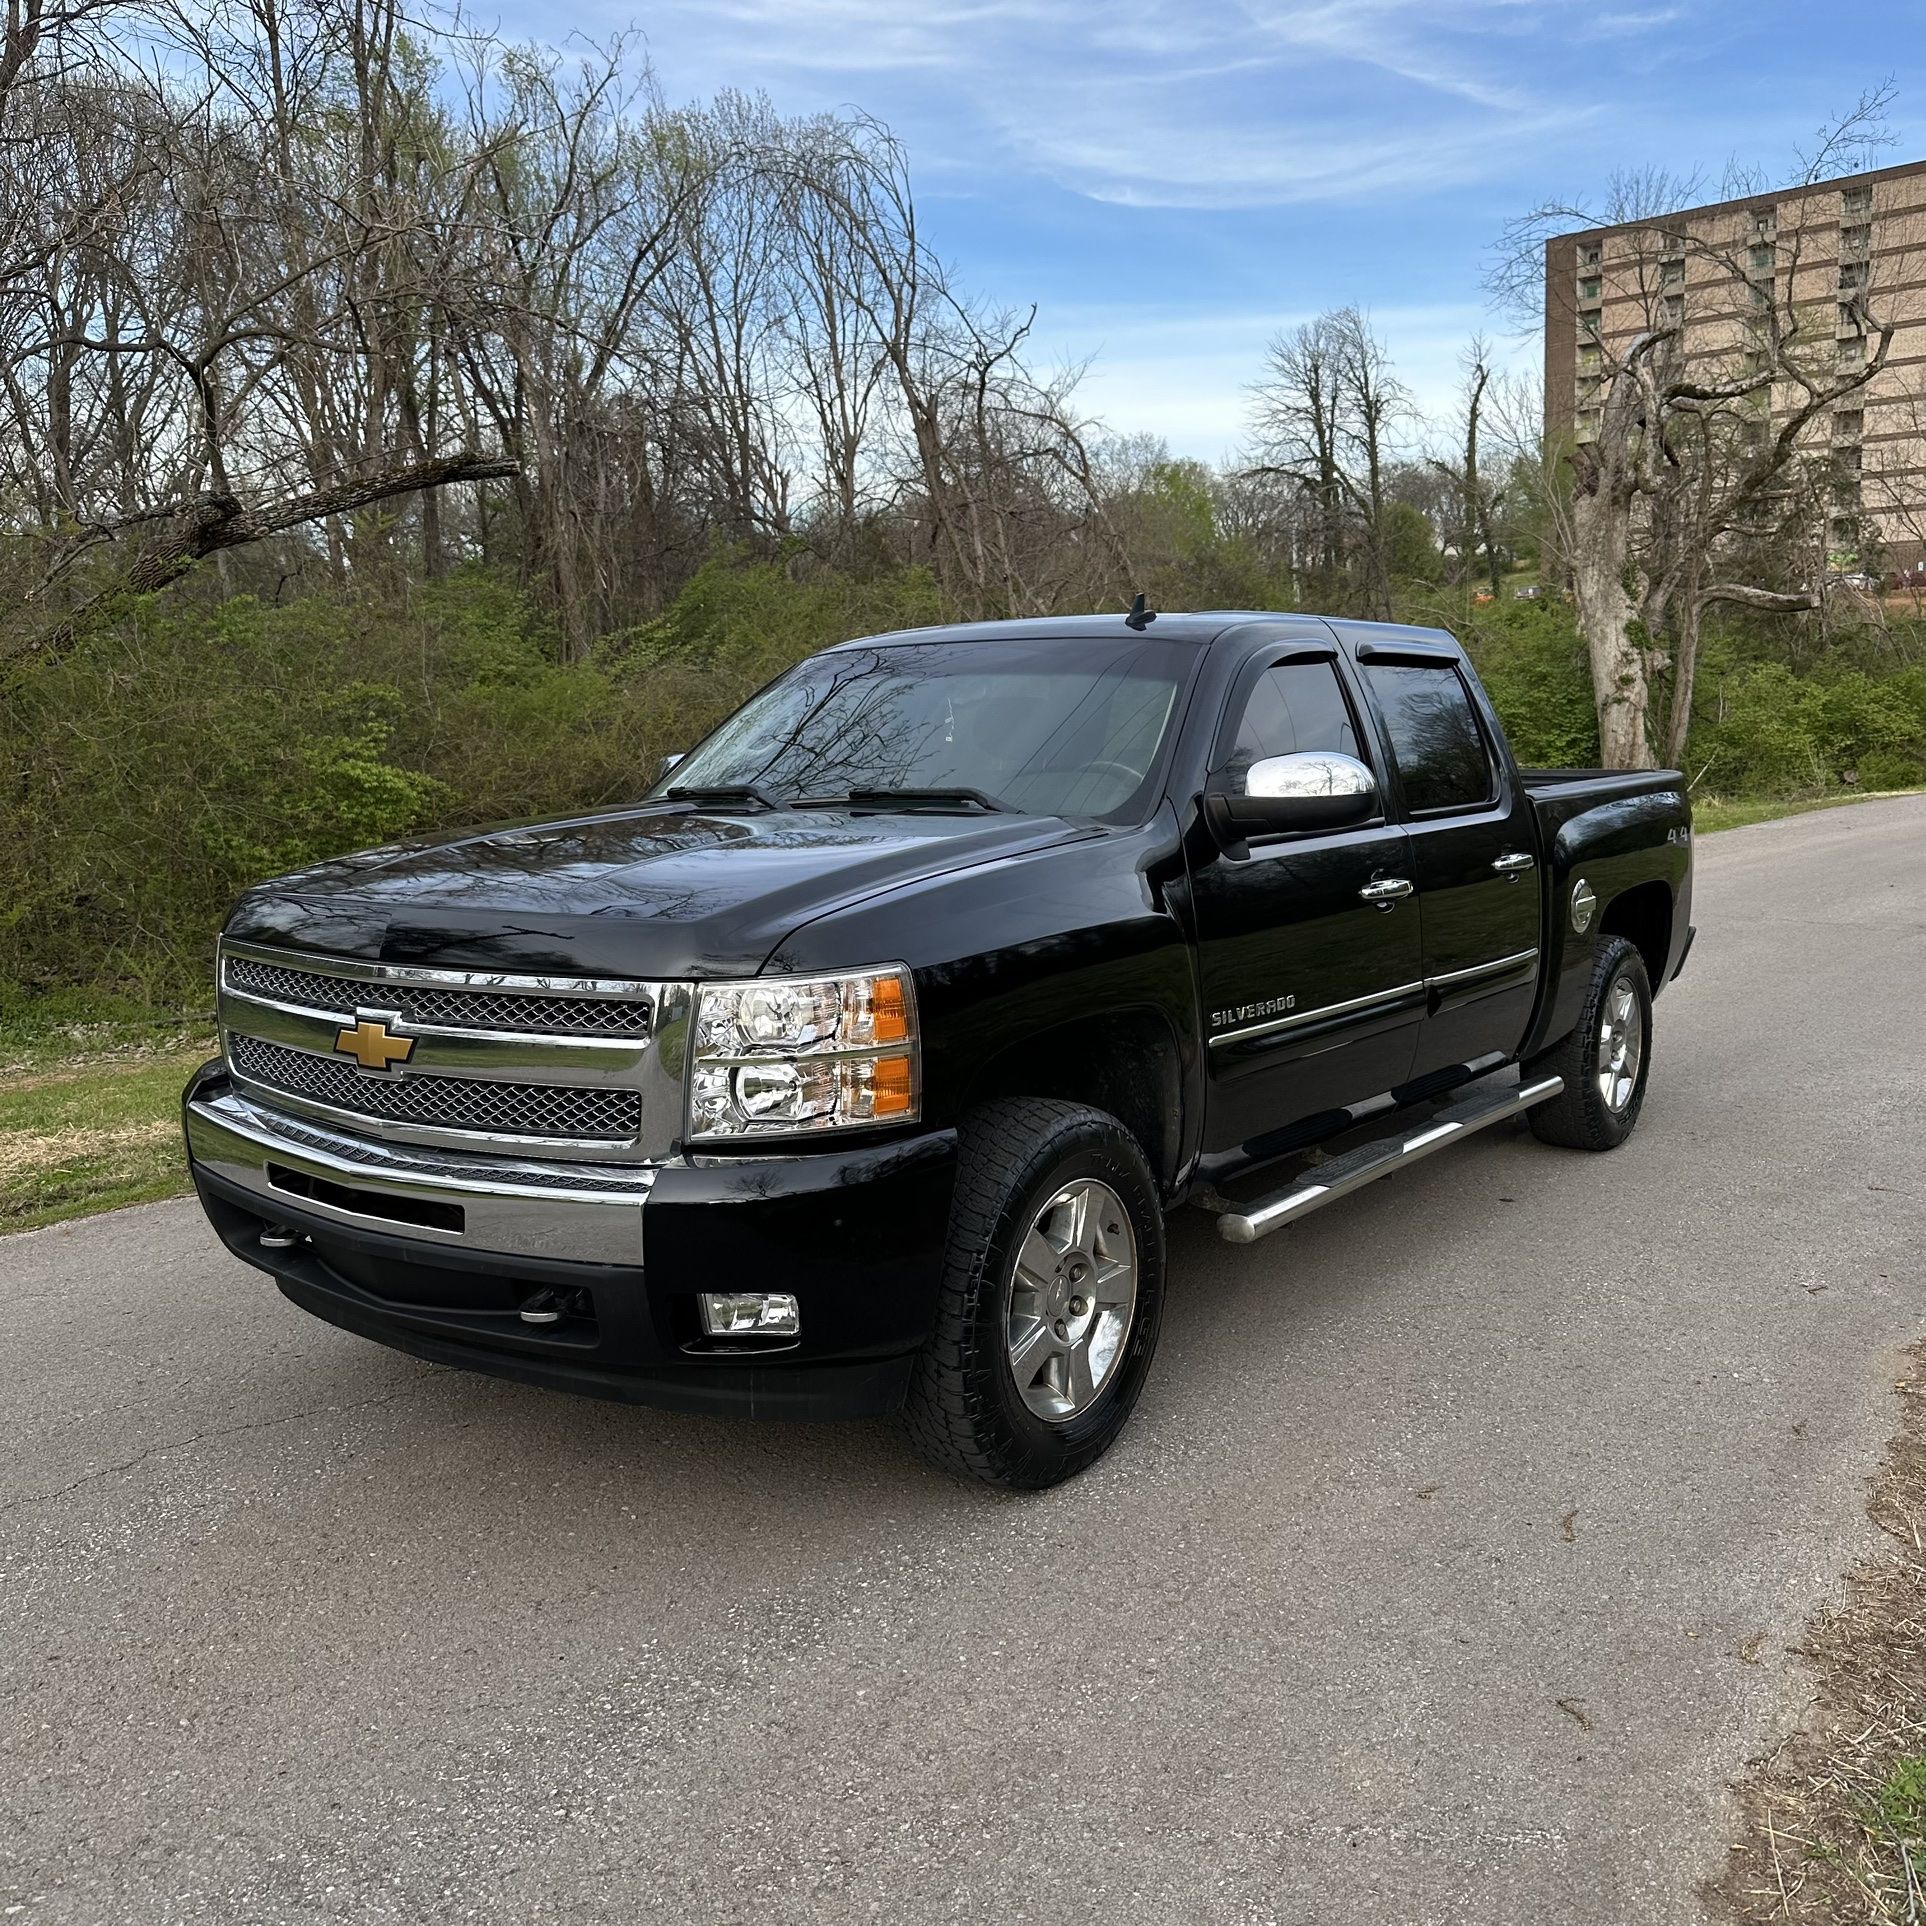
(1313, 789)
(667, 763)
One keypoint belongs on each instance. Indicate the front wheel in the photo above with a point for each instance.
(1606, 1059)
(1051, 1297)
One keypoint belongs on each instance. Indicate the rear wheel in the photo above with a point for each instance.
(1605, 1060)
(1051, 1298)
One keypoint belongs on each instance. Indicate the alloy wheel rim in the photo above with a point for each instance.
(1621, 1044)
(1073, 1297)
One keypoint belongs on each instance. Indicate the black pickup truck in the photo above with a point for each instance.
(857, 1066)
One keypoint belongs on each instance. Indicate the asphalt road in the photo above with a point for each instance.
(1419, 1589)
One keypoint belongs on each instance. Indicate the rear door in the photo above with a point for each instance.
(1312, 988)
(1473, 851)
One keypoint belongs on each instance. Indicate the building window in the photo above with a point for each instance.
(1848, 424)
(1852, 353)
(1853, 275)
(1760, 297)
(1590, 357)
(1764, 256)
(1848, 318)
(1590, 253)
(1588, 288)
(1672, 310)
(1588, 424)
(1856, 200)
(1671, 274)
(1855, 243)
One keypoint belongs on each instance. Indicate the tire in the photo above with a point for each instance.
(1582, 1116)
(975, 1406)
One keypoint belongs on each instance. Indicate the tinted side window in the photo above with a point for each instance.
(1297, 705)
(1435, 738)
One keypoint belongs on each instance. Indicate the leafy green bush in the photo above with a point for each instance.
(1411, 549)
(1534, 668)
(192, 747)
(1764, 731)
(189, 749)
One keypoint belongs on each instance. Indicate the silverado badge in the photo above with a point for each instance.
(372, 1044)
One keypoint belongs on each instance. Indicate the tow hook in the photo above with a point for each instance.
(550, 1306)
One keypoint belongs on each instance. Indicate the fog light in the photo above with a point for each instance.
(750, 1314)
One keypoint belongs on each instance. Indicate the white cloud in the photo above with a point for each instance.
(1169, 103)
(1607, 26)
(1261, 164)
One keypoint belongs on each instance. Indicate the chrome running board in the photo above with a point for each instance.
(1339, 1176)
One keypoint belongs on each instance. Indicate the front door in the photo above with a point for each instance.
(1472, 855)
(1308, 945)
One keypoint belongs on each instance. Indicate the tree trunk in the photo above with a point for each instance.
(1685, 662)
(1602, 532)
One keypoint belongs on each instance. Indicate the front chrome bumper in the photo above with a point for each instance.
(442, 1199)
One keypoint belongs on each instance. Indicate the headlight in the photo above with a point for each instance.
(783, 1054)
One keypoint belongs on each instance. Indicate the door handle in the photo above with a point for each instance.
(1514, 863)
(1386, 891)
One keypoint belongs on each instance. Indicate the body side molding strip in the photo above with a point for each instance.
(1496, 967)
(1357, 1004)
(1361, 1005)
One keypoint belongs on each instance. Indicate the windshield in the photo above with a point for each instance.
(1049, 728)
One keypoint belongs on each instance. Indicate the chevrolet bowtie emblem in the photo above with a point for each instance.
(373, 1045)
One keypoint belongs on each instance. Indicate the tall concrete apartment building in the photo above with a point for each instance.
(1721, 271)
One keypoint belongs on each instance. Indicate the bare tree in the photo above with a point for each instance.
(1297, 439)
(1325, 417)
(1694, 452)
(1476, 496)
(217, 334)
(317, 274)
(1373, 404)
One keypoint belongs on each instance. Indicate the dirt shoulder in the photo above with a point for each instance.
(1834, 1822)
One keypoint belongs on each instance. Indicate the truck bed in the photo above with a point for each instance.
(1560, 795)
(1600, 784)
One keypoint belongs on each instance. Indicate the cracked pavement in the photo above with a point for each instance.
(1450, 1568)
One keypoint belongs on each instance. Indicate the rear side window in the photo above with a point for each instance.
(1294, 706)
(1435, 739)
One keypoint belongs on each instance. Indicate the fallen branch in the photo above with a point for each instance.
(194, 530)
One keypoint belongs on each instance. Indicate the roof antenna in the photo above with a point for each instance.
(1139, 616)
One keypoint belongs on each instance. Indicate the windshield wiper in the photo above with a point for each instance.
(943, 798)
(719, 794)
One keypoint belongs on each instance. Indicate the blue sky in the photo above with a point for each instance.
(1173, 183)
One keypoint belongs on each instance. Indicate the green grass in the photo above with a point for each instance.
(85, 1130)
(1901, 1799)
(1715, 812)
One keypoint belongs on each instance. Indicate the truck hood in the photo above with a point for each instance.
(659, 891)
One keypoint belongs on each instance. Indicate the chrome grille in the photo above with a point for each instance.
(404, 1161)
(582, 1113)
(431, 1003)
